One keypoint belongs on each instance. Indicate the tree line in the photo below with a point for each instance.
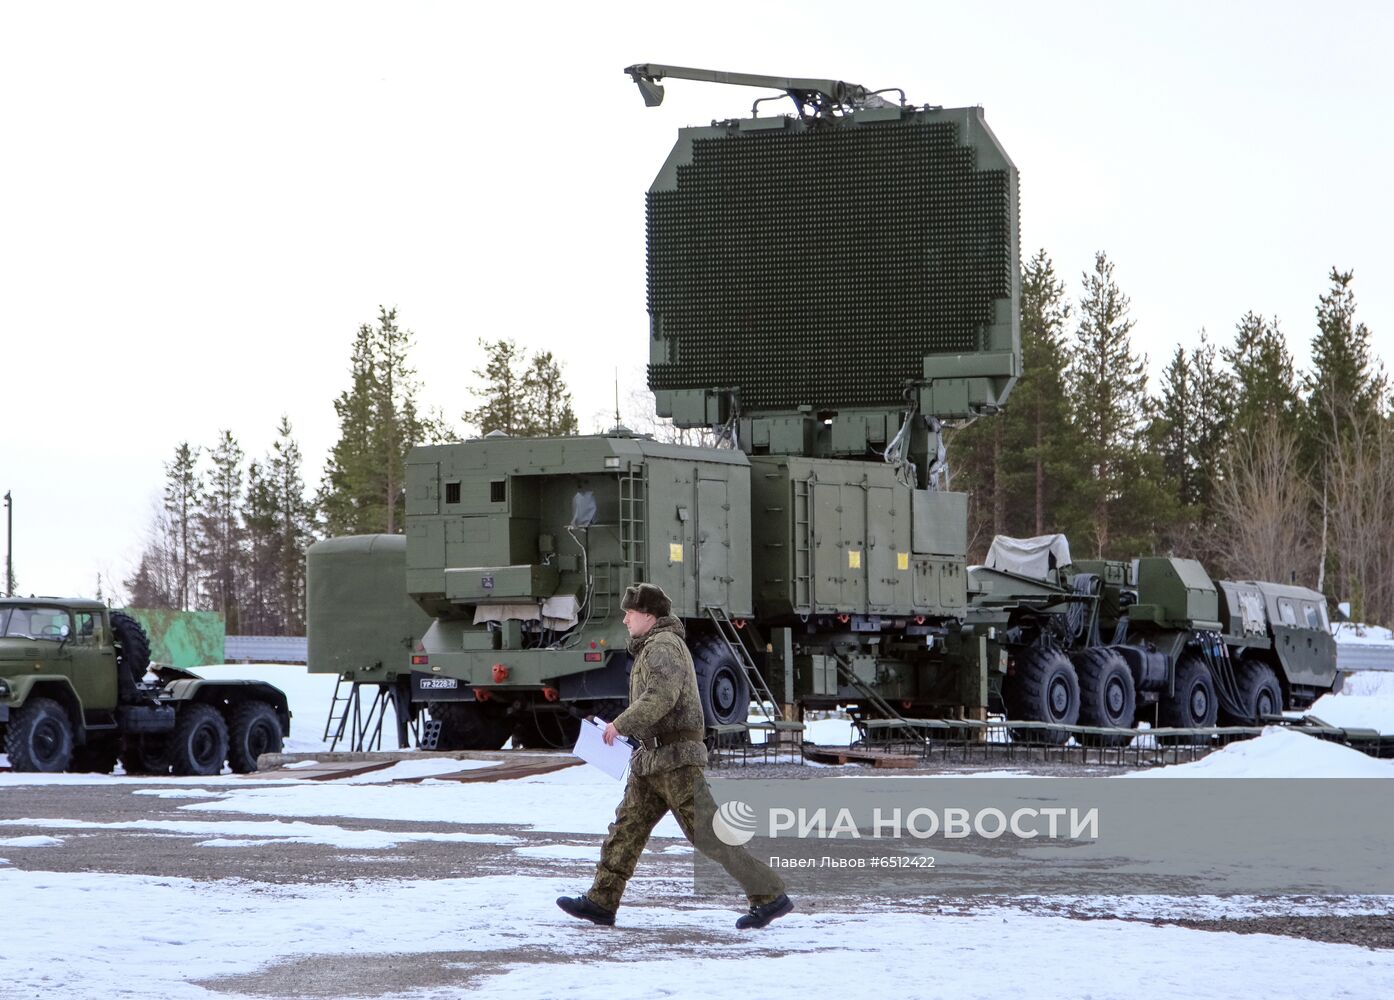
(230, 534)
(1238, 458)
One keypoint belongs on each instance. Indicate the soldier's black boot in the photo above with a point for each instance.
(761, 915)
(582, 908)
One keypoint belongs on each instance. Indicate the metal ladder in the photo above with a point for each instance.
(803, 545)
(347, 718)
(633, 513)
(731, 636)
(850, 678)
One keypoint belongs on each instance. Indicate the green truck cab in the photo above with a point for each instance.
(78, 693)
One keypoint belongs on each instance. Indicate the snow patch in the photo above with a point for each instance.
(1278, 753)
(31, 842)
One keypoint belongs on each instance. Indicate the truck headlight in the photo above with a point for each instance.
(4, 690)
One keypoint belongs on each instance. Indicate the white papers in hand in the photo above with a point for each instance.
(591, 748)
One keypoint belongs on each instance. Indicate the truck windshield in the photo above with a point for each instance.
(35, 623)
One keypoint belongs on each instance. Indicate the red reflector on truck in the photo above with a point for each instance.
(418, 660)
(594, 657)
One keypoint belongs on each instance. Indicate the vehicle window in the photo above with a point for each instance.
(89, 628)
(39, 623)
(4, 621)
(1310, 612)
(1286, 611)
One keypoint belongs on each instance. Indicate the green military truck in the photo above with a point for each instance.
(77, 694)
(1107, 644)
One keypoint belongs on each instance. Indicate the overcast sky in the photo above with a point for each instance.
(201, 202)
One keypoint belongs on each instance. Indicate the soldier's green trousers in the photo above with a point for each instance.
(646, 799)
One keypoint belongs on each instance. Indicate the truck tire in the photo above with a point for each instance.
(1194, 706)
(1259, 693)
(97, 757)
(470, 725)
(39, 737)
(721, 684)
(255, 729)
(199, 743)
(1107, 695)
(132, 650)
(1044, 688)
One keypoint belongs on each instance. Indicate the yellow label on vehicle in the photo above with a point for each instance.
(902, 560)
(854, 558)
(674, 552)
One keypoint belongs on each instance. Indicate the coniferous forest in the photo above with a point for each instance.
(1234, 456)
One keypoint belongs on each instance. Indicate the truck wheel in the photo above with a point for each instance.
(97, 757)
(1107, 696)
(466, 725)
(39, 737)
(132, 648)
(145, 755)
(1259, 693)
(1194, 705)
(255, 730)
(1044, 688)
(721, 684)
(199, 742)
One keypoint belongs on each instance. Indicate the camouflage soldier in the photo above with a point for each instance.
(665, 716)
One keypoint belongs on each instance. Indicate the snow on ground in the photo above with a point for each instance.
(575, 800)
(247, 833)
(1279, 753)
(144, 937)
(1358, 633)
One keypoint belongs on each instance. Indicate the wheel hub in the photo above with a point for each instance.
(1059, 697)
(1113, 697)
(1200, 703)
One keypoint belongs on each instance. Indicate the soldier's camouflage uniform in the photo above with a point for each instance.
(663, 702)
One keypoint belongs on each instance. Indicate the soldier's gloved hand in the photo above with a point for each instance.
(610, 734)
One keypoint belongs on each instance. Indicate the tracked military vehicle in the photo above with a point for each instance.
(1107, 644)
(77, 694)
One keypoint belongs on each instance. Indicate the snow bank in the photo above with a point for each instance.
(1278, 753)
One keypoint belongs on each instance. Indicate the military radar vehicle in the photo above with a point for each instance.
(1105, 644)
(826, 288)
(77, 693)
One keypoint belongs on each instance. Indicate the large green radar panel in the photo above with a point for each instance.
(814, 278)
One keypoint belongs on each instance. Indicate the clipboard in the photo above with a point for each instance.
(591, 748)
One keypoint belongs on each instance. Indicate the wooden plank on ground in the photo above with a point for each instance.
(322, 771)
(849, 755)
(501, 772)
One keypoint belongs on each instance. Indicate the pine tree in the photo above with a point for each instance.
(294, 521)
(520, 396)
(548, 399)
(1195, 408)
(1037, 428)
(1107, 387)
(1016, 465)
(1346, 384)
(363, 489)
(1264, 379)
(222, 532)
(504, 393)
(183, 498)
(260, 601)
